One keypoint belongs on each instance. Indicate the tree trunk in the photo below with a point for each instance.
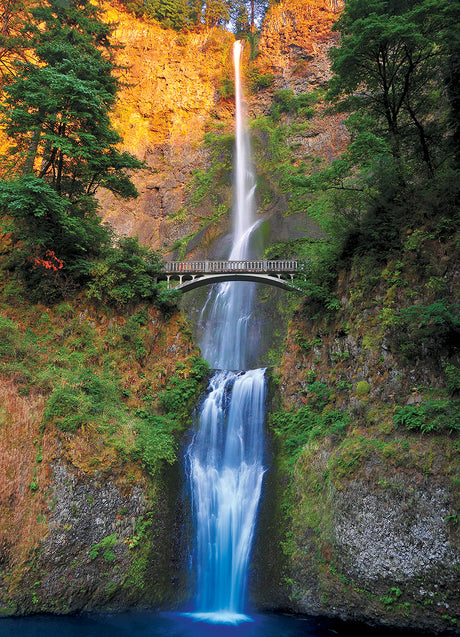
(33, 147)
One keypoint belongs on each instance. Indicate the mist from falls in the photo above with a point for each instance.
(225, 457)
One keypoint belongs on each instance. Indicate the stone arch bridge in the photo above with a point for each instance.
(194, 274)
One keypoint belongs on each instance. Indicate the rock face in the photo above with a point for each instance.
(367, 511)
(88, 520)
(378, 542)
(296, 38)
(169, 97)
(172, 100)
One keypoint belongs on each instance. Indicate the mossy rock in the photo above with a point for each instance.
(363, 388)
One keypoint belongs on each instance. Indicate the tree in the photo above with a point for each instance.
(56, 108)
(170, 13)
(216, 12)
(389, 66)
(247, 15)
(11, 44)
(394, 74)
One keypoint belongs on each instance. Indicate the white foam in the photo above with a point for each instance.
(219, 617)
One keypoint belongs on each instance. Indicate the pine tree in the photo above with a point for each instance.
(170, 13)
(56, 109)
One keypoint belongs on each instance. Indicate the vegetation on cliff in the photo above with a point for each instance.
(55, 106)
(98, 372)
(369, 420)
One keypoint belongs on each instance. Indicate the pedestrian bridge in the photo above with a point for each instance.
(194, 274)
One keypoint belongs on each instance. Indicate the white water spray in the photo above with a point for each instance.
(226, 455)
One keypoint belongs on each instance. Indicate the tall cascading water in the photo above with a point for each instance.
(225, 457)
(227, 312)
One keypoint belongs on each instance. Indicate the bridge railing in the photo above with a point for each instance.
(222, 267)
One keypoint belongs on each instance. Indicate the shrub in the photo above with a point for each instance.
(155, 441)
(83, 397)
(258, 80)
(298, 428)
(67, 409)
(226, 88)
(127, 274)
(431, 416)
(417, 326)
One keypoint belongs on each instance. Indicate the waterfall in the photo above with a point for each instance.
(225, 457)
(227, 312)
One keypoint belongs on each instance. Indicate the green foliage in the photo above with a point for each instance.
(91, 378)
(143, 524)
(156, 435)
(419, 326)
(127, 274)
(209, 189)
(296, 429)
(453, 378)
(155, 440)
(257, 80)
(431, 416)
(399, 130)
(179, 394)
(439, 320)
(226, 88)
(56, 108)
(170, 13)
(83, 397)
(391, 596)
(9, 339)
(408, 40)
(319, 394)
(304, 343)
(285, 101)
(42, 223)
(105, 545)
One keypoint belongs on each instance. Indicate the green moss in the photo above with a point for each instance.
(362, 388)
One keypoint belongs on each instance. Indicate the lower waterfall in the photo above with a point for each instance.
(226, 470)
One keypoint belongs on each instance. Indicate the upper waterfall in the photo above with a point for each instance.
(227, 312)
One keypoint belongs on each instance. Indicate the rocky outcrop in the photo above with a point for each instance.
(295, 41)
(88, 512)
(171, 99)
(367, 510)
(168, 98)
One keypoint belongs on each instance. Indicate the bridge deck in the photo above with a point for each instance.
(263, 266)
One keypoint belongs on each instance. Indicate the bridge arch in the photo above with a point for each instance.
(199, 281)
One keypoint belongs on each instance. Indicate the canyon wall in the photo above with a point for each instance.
(176, 113)
(92, 419)
(364, 485)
